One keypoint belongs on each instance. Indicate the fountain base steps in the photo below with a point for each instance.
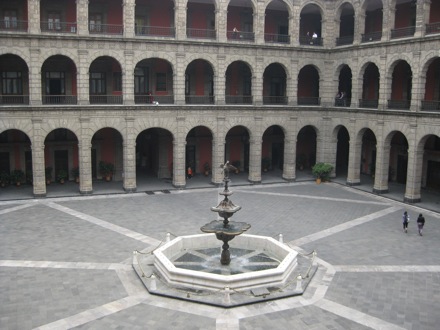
(188, 268)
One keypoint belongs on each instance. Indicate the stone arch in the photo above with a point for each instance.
(163, 56)
(17, 52)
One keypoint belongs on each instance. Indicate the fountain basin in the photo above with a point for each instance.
(283, 259)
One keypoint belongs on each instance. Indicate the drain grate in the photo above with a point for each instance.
(166, 191)
(149, 192)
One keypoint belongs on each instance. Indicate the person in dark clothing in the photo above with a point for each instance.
(405, 221)
(420, 223)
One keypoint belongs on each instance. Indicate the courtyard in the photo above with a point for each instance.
(65, 262)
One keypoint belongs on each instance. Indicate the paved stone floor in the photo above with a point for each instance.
(65, 262)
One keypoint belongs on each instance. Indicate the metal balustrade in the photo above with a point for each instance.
(14, 99)
(58, 27)
(399, 104)
(431, 106)
(240, 36)
(195, 99)
(309, 100)
(344, 102)
(309, 41)
(277, 38)
(13, 25)
(432, 28)
(201, 33)
(59, 99)
(106, 29)
(341, 41)
(105, 99)
(153, 99)
(275, 100)
(239, 99)
(372, 36)
(366, 103)
(155, 31)
(403, 32)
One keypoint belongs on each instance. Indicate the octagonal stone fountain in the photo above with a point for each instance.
(244, 269)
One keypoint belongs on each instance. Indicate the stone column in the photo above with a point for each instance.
(359, 27)
(179, 80)
(385, 83)
(289, 166)
(326, 87)
(218, 152)
(292, 32)
(418, 84)
(35, 77)
(163, 144)
(179, 154)
(296, 19)
(221, 24)
(82, 17)
(259, 18)
(129, 161)
(85, 158)
(255, 150)
(422, 17)
(128, 7)
(128, 78)
(382, 166)
(82, 74)
(38, 165)
(354, 161)
(257, 82)
(388, 22)
(180, 14)
(34, 16)
(293, 83)
(220, 81)
(415, 168)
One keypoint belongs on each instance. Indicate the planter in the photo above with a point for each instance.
(318, 180)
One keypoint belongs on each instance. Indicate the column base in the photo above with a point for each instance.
(130, 190)
(179, 185)
(289, 179)
(412, 200)
(254, 182)
(86, 192)
(380, 191)
(353, 183)
(40, 195)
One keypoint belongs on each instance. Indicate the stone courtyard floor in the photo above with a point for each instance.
(65, 263)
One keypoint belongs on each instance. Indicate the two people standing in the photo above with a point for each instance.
(420, 222)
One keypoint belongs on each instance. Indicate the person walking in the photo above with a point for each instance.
(405, 221)
(420, 223)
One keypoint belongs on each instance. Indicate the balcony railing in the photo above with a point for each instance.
(277, 38)
(155, 31)
(344, 102)
(153, 99)
(341, 41)
(14, 99)
(240, 35)
(200, 33)
(58, 27)
(106, 29)
(195, 99)
(13, 25)
(309, 41)
(432, 28)
(366, 103)
(59, 99)
(431, 105)
(275, 100)
(403, 32)
(105, 99)
(239, 99)
(399, 104)
(309, 100)
(372, 36)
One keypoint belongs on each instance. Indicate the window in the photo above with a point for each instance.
(10, 19)
(12, 83)
(141, 85)
(95, 22)
(54, 21)
(117, 81)
(55, 83)
(97, 83)
(161, 82)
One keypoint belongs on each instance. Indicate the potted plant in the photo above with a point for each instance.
(265, 164)
(4, 178)
(206, 168)
(236, 164)
(75, 173)
(322, 171)
(17, 177)
(62, 176)
(48, 173)
(106, 169)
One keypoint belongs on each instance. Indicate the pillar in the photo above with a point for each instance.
(38, 165)
(129, 156)
(34, 16)
(354, 161)
(85, 158)
(255, 150)
(128, 8)
(382, 166)
(82, 17)
(289, 166)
